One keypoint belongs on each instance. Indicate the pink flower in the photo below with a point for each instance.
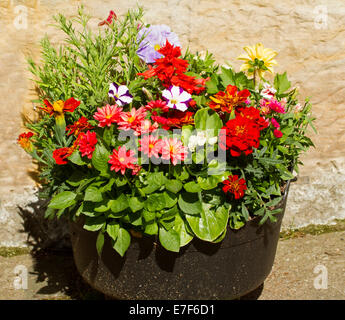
(264, 107)
(174, 150)
(132, 119)
(108, 115)
(146, 127)
(150, 145)
(268, 91)
(275, 123)
(276, 106)
(122, 159)
(87, 143)
(277, 133)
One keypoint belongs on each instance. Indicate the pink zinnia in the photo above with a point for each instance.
(132, 119)
(146, 127)
(277, 133)
(108, 115)
(174, 150)
(276, 106)
(87, 143)
(150, 145)
(122, 159)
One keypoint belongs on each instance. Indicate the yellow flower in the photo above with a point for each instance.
(259, 58)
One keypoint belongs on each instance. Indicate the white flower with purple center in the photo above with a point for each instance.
(176, 98)
(120, 94)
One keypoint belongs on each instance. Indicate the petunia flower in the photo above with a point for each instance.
(108, 115)
(235, 186)
(120, 94)
(150, 145)
(25, 143)
(177, 98)
(122, 159)
(87, 143)
(173, 149)
(152, 39)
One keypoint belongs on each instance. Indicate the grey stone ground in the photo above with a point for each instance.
(298, 263)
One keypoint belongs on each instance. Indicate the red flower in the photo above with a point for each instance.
(24, 141)
(60, 155)
(253, 114)
(108, 115)
(112, 17)
(227, 100)
(277, 133)
(58, 108)
(235, 186)
(176, 119)
(240, 135)
(78, 126)
(123, 159)
(160, 105)
(87, 143)
(170, 70)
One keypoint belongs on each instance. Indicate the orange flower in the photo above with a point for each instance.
(228, 100)
(59, 108)
(24, 141)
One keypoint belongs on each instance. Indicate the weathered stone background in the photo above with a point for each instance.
(314, 58)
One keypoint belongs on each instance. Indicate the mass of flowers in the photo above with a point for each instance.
(161, 143)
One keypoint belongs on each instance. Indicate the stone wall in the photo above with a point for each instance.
(311, 49)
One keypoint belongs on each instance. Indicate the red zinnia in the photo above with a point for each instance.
(176, 119)
(240, 135)
(108, 115)
(87, 144)
(123, 159)
(253, 114)
(160, 105)
(235, 186)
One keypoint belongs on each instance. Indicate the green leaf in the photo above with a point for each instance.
(135, 204)
(63, 200)
(122, 242)
(281, 83)
(212, 84)
(189, 203)
(170, 199)
(154, 180)
(170, 240)
(208, 183)
(192, 186)
(209, 120)
(93, 194)
(76, 158)
(100, 243)
(119, 204)
(149, 216)
(155, 202)
(113, 228)
(173, 185)
(210, 224)
(151, 229)
(100, 158)
(180, 228)
(94, 223)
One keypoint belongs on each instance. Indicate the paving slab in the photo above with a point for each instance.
(305, 268)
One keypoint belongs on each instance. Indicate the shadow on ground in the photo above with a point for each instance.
(54, 270)
(53, 266)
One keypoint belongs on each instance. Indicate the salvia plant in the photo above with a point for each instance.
(136, 138)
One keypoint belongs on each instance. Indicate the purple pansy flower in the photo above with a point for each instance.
(120, 94)
(152, 39)
(177, 98)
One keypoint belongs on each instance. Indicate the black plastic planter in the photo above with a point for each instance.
(226, 270)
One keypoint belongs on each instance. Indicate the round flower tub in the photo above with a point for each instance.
(201, 270)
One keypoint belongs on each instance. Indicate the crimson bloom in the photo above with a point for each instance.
(253, 114)
(108, 115)
(158, 105)
(60, 155)
(132, 119)
(176, 119)
(24, 141)
(173, 149)
(235, 186)
(87, 143)
(59, 108)
(123, 159)
(78, 126)
(240, 135)
(112, 17)
(277, 133)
